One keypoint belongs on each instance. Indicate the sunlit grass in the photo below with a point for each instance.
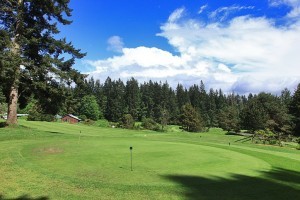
(64, 161)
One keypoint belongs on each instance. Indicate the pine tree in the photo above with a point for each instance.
(147, 102)
(212, 109)
(229, 119)
(190, 119)
(295, 110)
(182, 96)
(132, 97)
(30, 53)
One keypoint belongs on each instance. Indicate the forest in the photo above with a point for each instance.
(157, 104)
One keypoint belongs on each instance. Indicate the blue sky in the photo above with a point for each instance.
(239, 46)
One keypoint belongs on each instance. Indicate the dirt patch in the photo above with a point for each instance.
(48, 150)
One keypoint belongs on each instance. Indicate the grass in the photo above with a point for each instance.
(42, 160)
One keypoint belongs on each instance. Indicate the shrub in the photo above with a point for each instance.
(127, 121)
(88, 122)
(150, 124)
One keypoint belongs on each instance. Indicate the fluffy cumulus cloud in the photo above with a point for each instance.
(248, 54)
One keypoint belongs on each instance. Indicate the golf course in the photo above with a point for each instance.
(52, 160)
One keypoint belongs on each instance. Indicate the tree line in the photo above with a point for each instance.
(194, 108)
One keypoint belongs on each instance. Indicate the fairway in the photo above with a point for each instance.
(63, 161)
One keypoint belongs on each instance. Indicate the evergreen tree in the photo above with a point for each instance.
(115, 102)
(190, 119)
(295, 110)
(182, 96)
(194, 94)
(265, 111)
(229, 119)
(253, 116)
(212, 109)
(30, 48)
(172, 108)
(132, 97)
(286, 97)
(147, 101)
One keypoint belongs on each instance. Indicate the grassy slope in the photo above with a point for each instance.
(63, 161)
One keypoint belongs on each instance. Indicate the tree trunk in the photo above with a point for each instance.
(13, 95)
(15, 49)
(12, 106)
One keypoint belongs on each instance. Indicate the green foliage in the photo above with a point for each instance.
(90, 108)
(30, 107)
(190, 119)
(3, 108)
(82, 117)
(298, 141)
(127, 121)
(253, 116)
(2, 97)
(3, 104)
(132, 97)
(115, 101)
(36, 113)
(102, 123)
(164, 119)
(150, 124)
(295, 110)
(88, 122)
(39, 116)
(266, 111)
(27, 31)
(229, 119)
(265, 136)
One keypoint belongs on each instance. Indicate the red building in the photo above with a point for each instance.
(70, 118)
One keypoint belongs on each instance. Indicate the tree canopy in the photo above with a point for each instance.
(190, 119)
(31, 57)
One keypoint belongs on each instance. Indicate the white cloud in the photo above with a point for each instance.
(253, 47)
(177, 14)
(223, 12)
(115, 43)
(202, 8)
(247, 55)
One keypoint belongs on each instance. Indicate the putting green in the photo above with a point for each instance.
(107, 160)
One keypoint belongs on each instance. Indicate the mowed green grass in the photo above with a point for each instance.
(64, 161)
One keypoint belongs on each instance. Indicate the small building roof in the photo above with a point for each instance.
(73, 116)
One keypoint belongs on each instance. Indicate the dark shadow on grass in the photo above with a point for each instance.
(245, 139)
(24, 197)
(276, 184)
(54, 132)
(3, 124)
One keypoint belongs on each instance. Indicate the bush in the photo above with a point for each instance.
(150, 124)
(114, 124)
(102, 123)
(35, 116)
(127, 121)
(298, 141)
(89, 122)
(82, 117)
